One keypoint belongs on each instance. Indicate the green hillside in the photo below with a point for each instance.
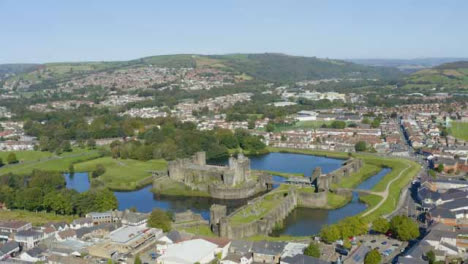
(450, 76)
(268, 66)
(281, 67)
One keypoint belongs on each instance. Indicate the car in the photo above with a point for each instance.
(341, 251)
(396, 245)
(384, 243)
(373, 241)
(377, 248)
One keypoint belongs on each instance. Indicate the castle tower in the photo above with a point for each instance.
(241, 168)
(199, 158)
(217, 212)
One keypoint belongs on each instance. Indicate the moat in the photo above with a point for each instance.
(300, 222)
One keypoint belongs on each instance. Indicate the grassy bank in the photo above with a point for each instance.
(324, 153)
(199, 230)
(283, 174)
(366, 171)
(36, 218)
(122, 174)
(336, 201)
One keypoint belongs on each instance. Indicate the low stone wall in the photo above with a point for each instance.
(248, 190)
(351, 166)
(312, 200)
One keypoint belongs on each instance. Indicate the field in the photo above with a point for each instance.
(25, 155)
(36, 218)
(459, 130)
(122, 174)
(48, 161)
(307, 125)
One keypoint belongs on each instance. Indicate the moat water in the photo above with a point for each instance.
(300, 222)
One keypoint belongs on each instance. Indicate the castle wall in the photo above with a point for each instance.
(247, 190)
(312, 200)
(262, 226)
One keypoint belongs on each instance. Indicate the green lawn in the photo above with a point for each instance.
(25, 155)
(199, 230)
(354, 179)
(459, 130)
(50, 161)
(122, 174)
(170, 187)
(261, 207)
(36, 218)
(336, 201)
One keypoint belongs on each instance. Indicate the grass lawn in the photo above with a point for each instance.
(459, 130)
(36, 219)
(199, 230)
(56, 163)
(25, 155)
(356, 178)
(336, 201)
(261, 207)
(122, 174)
(307, 125)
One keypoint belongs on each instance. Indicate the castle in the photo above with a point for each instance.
(224, 182)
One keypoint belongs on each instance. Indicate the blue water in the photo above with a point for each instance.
(300, 222)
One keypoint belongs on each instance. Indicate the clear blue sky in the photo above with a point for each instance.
(78, 30)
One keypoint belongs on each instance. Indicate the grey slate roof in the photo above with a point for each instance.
(34, 252)
(8, 246)
(174, 236)
(268, 248)
(302, 259)
(241, 246)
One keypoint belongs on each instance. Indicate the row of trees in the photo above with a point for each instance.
(44, 190)
(402, 227)
(173, 140)
(11, 159)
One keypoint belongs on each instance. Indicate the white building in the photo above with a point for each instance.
(189, 252)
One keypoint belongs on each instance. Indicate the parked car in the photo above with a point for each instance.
(384, 243)
(342, 251)
(373, 241)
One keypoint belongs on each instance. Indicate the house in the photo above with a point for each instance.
(100, 218)
(171, 237)
(236, 258)
(9, 249)
(33, 255)
(134, 218)
(65, 234)
(222, 243)
(301, 258)
(196, 250)
(240, 246)
(267, 251)
(14, 226)
(81, 222)
(293, 249)
(29, 238)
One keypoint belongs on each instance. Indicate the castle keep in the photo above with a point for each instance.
(224, 182)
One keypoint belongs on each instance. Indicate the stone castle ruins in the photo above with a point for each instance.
(235, 181)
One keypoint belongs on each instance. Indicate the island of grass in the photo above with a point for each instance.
(123, 174)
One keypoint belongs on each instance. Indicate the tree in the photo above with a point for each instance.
(66, 146)
(360, 146)
(338, 124)
(1, 162)
(330, 234)
(98, 171)
(430, 255)
(137, 259)
(71, 169)
(91, 143)
(270, 127)
(312, 250)
(404, 227)
(373, 257)
(159, 219)
(380, 225)
(440, 167)
(11, 158)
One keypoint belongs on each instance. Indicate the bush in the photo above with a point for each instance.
(160, 219)
(380, 225)
(404, 228)
(100, 170)
(360, 146)
(11, 158)
(372, 257)
(312, 250)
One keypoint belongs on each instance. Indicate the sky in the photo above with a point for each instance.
(38, 31)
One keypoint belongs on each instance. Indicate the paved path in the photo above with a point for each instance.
(385, 193)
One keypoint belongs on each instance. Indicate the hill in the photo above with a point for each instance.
(406, 65)
(268, 67)
(281, 67)
(450, 76)
(13, 69)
